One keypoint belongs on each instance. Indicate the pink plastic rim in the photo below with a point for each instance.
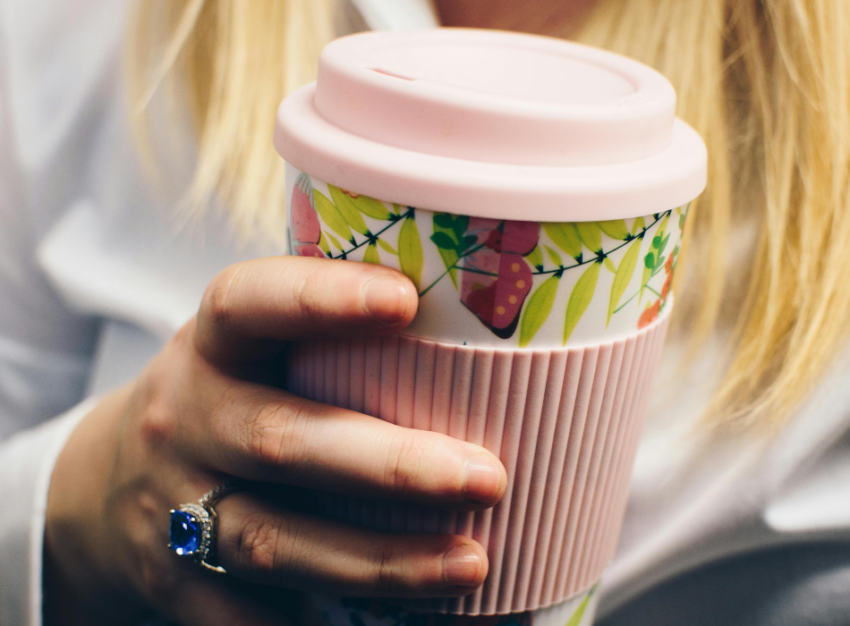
(495, 97)
(465, 121)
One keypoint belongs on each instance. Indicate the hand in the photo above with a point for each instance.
(200, 413)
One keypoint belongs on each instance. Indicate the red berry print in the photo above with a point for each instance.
(520, 237)
(494, 240)
(514, 237)
(497, 300)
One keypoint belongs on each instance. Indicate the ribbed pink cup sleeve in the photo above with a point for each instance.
(565, 423)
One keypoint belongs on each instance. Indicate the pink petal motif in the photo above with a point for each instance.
(309, 249)
(480, 265)
(305, 220)
(497, 300)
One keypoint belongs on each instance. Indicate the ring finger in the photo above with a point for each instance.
(264, 543)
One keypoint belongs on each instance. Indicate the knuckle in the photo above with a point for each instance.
(386, 573)
(184, 336)
(404, 463)
(152, 569)
(307, 295)
(274, 435)
(261, 546)
(217, 304)
(159, 422)
(157, 416)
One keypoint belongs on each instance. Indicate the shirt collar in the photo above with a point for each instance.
(397, 14)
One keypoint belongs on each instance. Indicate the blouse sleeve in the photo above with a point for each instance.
(52, 77)
(55, 56)
(26, 464)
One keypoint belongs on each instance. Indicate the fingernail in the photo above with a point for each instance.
(462, 566)
(386, 300)
(483, 480)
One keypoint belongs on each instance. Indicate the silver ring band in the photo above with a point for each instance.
(192, 531)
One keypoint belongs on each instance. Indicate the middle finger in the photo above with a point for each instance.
(263, 434)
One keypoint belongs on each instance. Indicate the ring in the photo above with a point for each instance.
(193, 528)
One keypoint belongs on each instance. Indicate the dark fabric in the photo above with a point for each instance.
(791, 586)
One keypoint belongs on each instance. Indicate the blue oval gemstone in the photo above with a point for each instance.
(185, 533)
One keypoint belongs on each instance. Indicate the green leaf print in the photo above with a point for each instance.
(576, 617)
(615, 229)
(663, 228)
(537, 310)
(623, 277)
(609, 265)
(410, 256)
(467, 242)
(444, 220)
(332, 217)
(346, 207)
(591, 235)
(371, 207)
(371, 255)
(446, 229)
(638, 226)
(683, 215)
(383, 245)
(535, 257)
(654, 259)
(565, 237)
(444, 241)
(323, 244)
(554, 257)
(580, 299)
(334, 241)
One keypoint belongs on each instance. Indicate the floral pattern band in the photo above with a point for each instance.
(499, 283)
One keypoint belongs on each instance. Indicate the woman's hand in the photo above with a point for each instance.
(198, 415)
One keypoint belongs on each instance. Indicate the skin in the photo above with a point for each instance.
(199, 413)
(542, 17)
(210, 406)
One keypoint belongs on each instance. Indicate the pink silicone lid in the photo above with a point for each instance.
(493, 124)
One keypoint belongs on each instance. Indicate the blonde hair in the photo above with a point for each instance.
(235, 60)
(765, 82)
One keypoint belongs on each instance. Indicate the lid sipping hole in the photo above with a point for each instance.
(389, 73)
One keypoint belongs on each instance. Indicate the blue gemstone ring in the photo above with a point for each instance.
(193, 526)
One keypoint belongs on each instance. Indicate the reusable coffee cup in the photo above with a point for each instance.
(534, 191)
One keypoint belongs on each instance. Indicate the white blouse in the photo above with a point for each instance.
(97, 271)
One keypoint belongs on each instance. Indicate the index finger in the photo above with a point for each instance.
(296, 298)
